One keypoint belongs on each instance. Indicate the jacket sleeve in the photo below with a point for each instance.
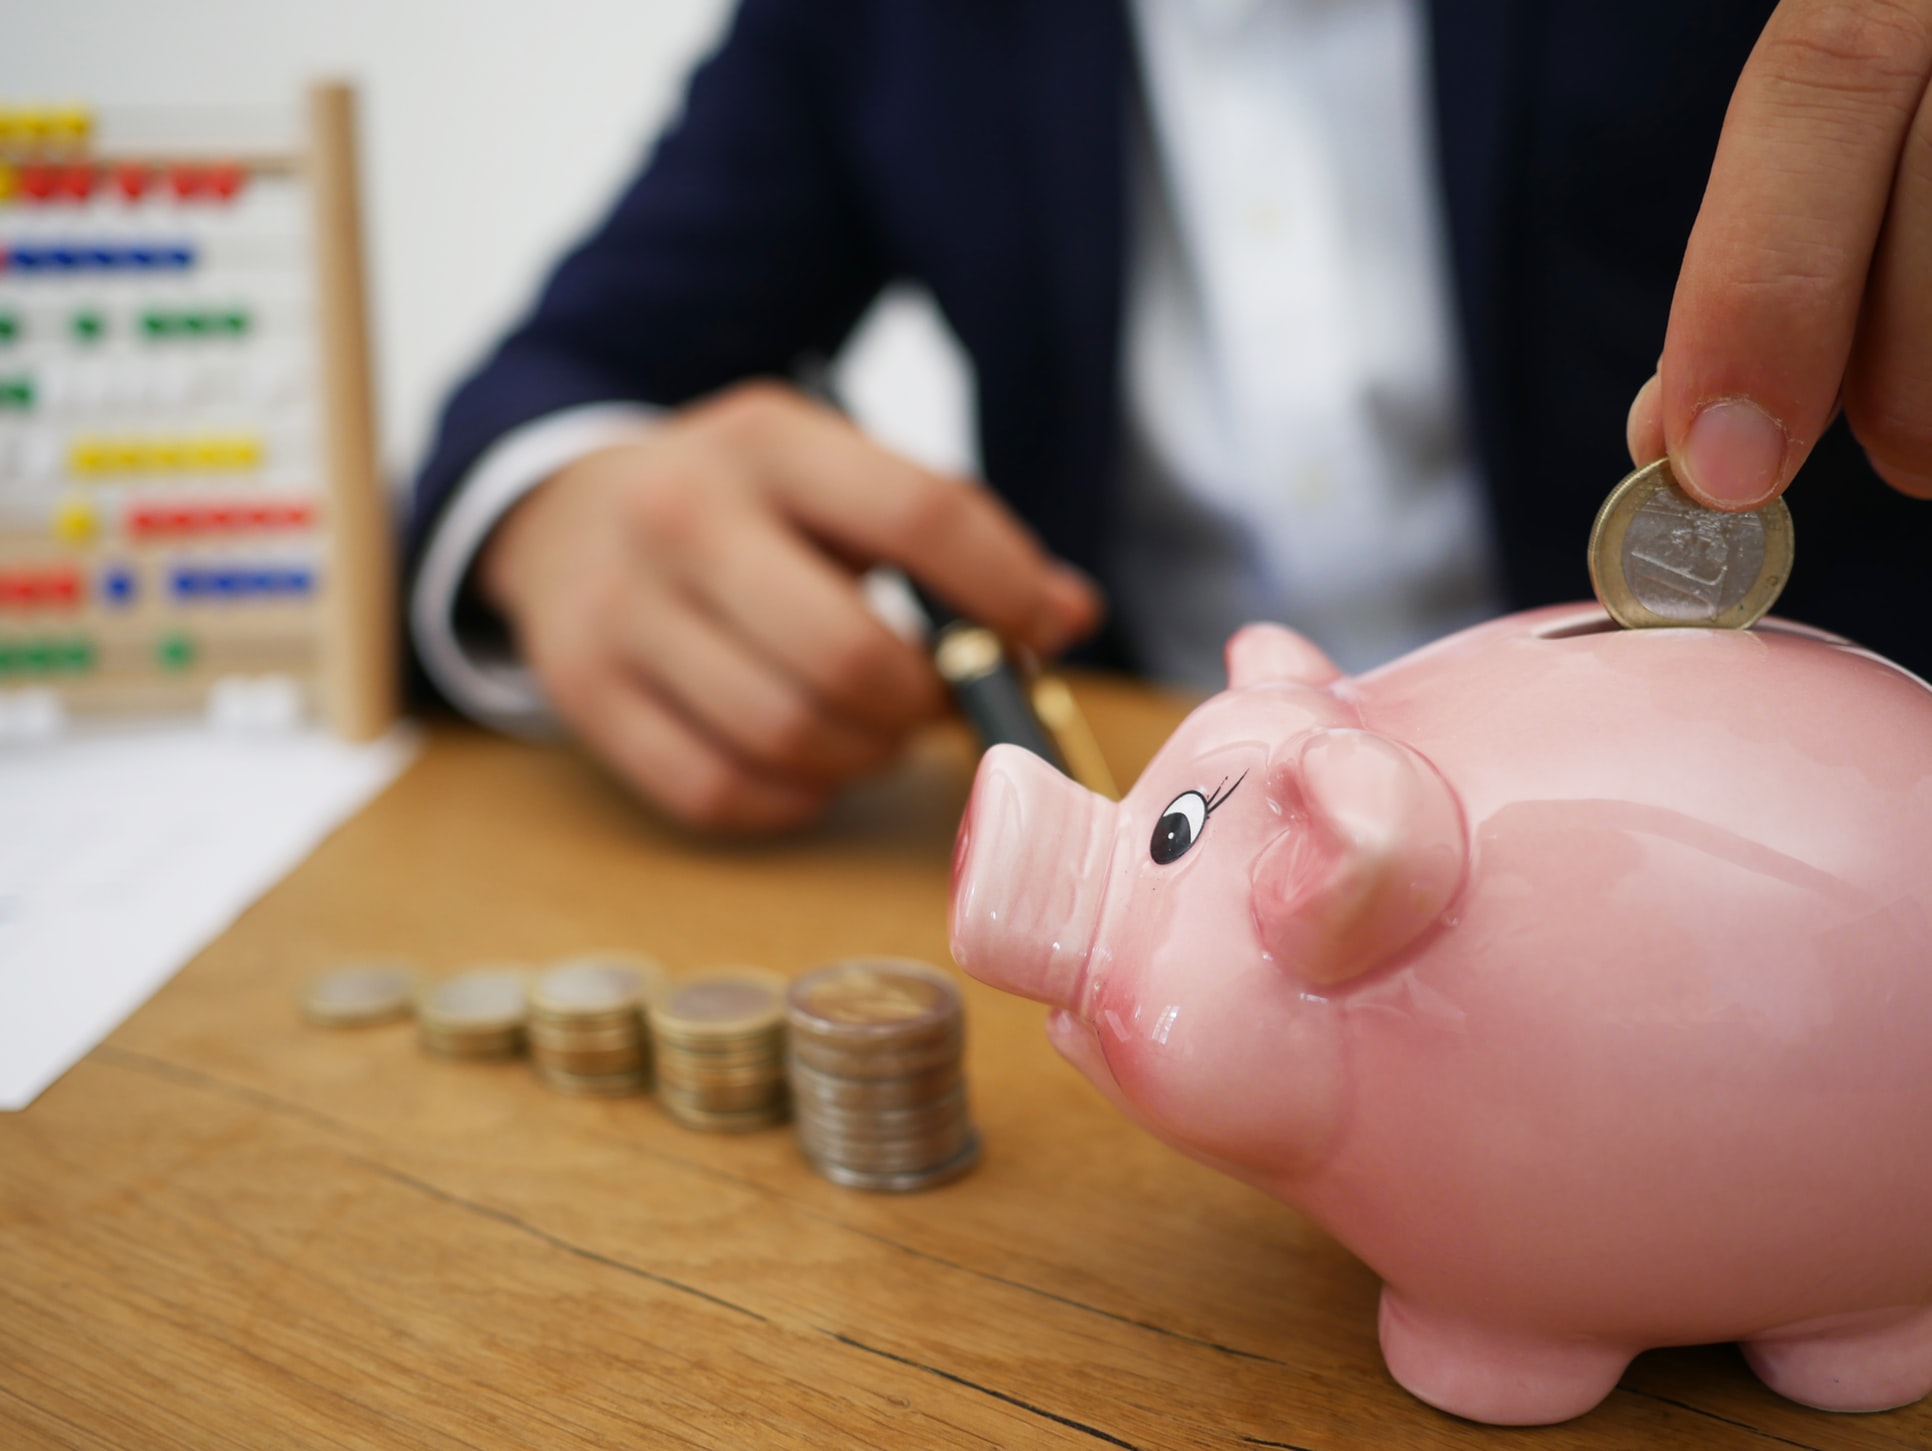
(740, 247)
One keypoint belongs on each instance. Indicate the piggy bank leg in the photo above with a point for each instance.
(1489, 1373)
(1871, 1362)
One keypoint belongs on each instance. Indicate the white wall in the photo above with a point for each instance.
(493, 131)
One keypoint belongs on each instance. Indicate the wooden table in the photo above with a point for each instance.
(226, 1228)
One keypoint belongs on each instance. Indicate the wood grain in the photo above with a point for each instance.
(226, 1228)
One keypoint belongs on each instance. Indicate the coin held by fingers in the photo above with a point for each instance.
(1658, 558)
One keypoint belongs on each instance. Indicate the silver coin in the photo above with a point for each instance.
(479, 1000)
(885, 1155)
(728, 1098)
(746, 1056)
(908, 1121)
(590, 988)
(594, 1085)
(375, 992)
(865, 1001)
(901, 1182)
(1688, 563)
(719, 1006)
(599, 1060)
(1659, 558)
(545, 1034)
(743, 1121)
(879, 1061)
(873, 1093)
(506, 1043)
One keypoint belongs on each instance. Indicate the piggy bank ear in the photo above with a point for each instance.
(1375, 854)
(1275, 654)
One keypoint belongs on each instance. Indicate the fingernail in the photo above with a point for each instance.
(1734, 456)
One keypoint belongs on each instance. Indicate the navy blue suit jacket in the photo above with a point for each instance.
(980, 148)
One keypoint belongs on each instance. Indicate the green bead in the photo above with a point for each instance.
(89, 326)
(80, 654)
(235, 322)
(193, 322)
(157, 324)
(175, 652)
(37, 656)
(6, 657)
(19, 392)
(9, 327)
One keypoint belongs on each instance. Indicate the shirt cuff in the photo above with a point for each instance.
(491, 686)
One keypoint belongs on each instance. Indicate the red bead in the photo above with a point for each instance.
(132, 180)
(226, 181)
(77, 182)
(187, 181)
(63, 585)
(224, 516)
(37, 182)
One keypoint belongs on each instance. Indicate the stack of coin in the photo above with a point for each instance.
(719, 1044)
(368, 992)
(587, 1025)
(874, 1062)
(476, 1014)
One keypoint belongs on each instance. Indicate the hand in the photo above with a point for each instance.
(691, 606)
(1807, 284)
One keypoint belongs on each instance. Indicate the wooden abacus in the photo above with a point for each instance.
(189, 498)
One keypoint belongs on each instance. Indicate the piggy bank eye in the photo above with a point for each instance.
(1179, 827)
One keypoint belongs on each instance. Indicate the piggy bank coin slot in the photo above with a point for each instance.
(1595, 623)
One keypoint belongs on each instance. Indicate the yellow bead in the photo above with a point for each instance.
(68, 123)
(87, 456)
(7, 184)
(75, 521)
(123, 455)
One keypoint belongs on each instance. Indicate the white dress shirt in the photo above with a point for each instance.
(1294, 446)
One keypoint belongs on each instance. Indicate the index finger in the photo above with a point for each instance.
(952, 536)
(1768, 299)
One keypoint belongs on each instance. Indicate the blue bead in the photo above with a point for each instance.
(119, 586)
(65, 257)
(176, 256)
(187, 582)
(104, 256)
(27, 259)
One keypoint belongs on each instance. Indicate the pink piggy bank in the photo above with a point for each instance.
(1578, 980)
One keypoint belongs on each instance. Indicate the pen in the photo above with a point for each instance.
(988, 685)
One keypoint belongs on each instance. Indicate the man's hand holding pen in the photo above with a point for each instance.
(691, 603)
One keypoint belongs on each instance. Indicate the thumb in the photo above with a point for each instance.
(1773, 278)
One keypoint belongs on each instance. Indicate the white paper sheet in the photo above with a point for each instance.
(123, 854)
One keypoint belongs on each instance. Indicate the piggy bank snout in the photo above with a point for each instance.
(1029, 869)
